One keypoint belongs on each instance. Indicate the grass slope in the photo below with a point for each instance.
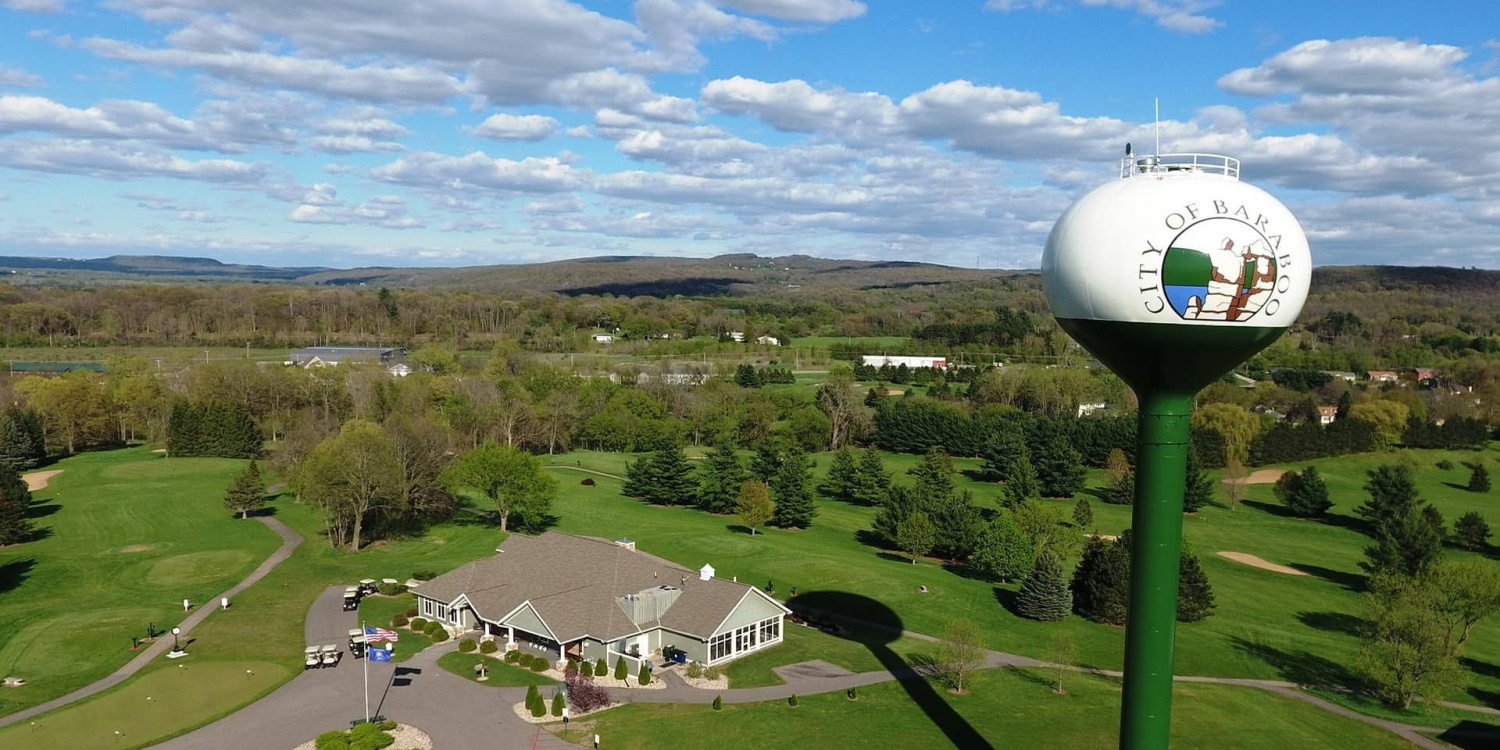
(128, 536)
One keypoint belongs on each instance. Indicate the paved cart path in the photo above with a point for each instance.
(289, 541)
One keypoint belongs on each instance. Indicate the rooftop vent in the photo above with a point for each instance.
(626, 542)
(706, 572)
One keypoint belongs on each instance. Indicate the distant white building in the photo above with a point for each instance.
(1326, 415)
(769, 341)
(1086, 409)
(603, 338)
(880, 360)
(737, 336)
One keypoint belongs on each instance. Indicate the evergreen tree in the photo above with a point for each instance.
(1003, 553)
(1083, 513)
(1303, 493)
(663, 478)
(1101, 582)
(916, 535)
(792, 491)
(1472, 532)
(745, 376)
(533, 700)
(1058, 465)
(640, 478)
(1195, 598)
(1005, 450)
(934, 474)
(900, 501)
(958, 521)
(22, 443)
(1346, 400)
(722, 477)
(1199, 490)
(842, 477)
(1479, 481)
(247, 492)
(1022, 484)
(1119, 479)
(871, 482)
(1408, 544)
(1393, 493)
(1044, 595)
(767, 460)
(15, 500)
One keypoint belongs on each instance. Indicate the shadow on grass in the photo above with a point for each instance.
(1472, 735)
(13, 573)
(1487, 697)
(1007, 599)
(1301, 667)
(884, 626)
(1457, 486)
(1333, 622)
(42, 510)
(1482, 668)
(1350, 581)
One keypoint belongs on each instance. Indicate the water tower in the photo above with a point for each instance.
(1172, 276)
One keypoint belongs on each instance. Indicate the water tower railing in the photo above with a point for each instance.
(1170, 163)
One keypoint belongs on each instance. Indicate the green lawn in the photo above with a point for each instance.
(128, 535)
(1267, 625)
(378, 610)
(500, 673)
(1008, 708)
(857, 650)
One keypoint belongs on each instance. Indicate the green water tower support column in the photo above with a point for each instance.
(1171, 276)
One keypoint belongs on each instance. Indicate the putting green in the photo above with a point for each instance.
(197, 567)
(180, 696)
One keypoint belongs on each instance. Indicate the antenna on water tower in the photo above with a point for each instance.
(1157, 152)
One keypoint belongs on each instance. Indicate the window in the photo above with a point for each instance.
(770, 630)
(427, 607)
(718, 648)
(744, 639)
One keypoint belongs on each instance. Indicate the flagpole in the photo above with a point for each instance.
(366, 660)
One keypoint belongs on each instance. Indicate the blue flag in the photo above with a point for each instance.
(379, 654)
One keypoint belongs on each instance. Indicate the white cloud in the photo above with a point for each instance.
(35, 6)
(1367, 65)
(1183, 16)
(112, 160)
(352, 144)
(798, 107)
(508, 127)
(815, 11)
(479, 171)
(17, 78)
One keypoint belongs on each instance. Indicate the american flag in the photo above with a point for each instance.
(376, 635)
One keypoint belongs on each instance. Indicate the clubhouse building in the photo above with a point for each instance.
(586, 598)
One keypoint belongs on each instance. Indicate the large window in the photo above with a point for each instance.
(426, 607)
(718, 648)
(770, 630)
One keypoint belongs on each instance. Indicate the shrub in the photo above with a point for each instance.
(369, 737)
(852, 694)
(538, 706)
(645, 674)
(418, 624)
(558, 703)
(439, 637)
(488, 647)
(332, 740)
(583, 693)
(621, 669)
(511, 657)
(718, 703)
(538, 664)
(711, 673)
(391, 589)
(467, 645)
(398, 621)
(1445, 465)
(694, 670)
(410, 613)
(424, 575)
(792, 701)
(1471, 532)
(388, 725)
(431, 627)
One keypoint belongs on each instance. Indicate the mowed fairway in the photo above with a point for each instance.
(1008, 708)
(128, 535)
(1268, 625)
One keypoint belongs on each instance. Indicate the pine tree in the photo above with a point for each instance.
(871, 483)
(1195, 598)
(792, 491)
(1002, 553)
(1346, 400)
(22, 443)
(1199, 490)
(900, 501)
(959, 524)
(745, 376)
(1101, 582)
(640, 479)
(1044, 595)
(1304, 493)
(15, 500)
(1393, 492)
(247, 492)
(767, 460)
(1005, 450)
(722, 476)
(1479, 481)
(558, 702)
(674, 476)
(1021, 485)
(842, 477)
(1408, 544)
(1472, 532)
(1083, 513)
(934, 473)
(1058, 465)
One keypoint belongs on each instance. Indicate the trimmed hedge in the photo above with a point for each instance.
(439, 637)
(399, 621)
(488, 647)
(511, 657)
(418, 624)
(467, 645)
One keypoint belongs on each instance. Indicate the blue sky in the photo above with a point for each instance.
(456, 132)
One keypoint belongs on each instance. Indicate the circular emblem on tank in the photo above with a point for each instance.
(1219, 268)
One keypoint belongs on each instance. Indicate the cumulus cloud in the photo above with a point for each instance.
(479, 171)
(123, 161)
(35, 6)
(814, 11)
(1183, 16)
(386, 211)
(17, 78)
(508, 127)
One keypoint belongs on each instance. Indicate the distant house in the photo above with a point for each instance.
(1347, 377)
(881, 360)
(1326, 415)
(768, 340)
(584, 598)
(737, 336)
(318, 356)
(1425, 373)
(603, 338)
(1086, 409)
(1243, 381)
(1383, 376)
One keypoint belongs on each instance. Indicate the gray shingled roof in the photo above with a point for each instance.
(573, 582)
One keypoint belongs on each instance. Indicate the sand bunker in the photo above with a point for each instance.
(1106, 537)
(138, 548)
(37, 480)
(1252, 560)
(1264, 476)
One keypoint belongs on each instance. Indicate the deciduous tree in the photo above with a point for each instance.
(916, 535)
(753, 507)
(512, 480)
(960, 652)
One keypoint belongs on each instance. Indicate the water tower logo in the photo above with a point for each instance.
(1220, 268)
